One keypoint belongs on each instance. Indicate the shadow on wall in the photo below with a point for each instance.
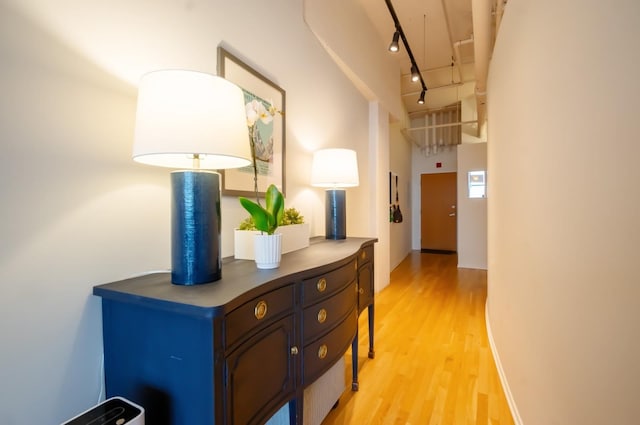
(76, 212)
(66, 126)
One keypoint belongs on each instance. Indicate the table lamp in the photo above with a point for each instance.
(335, 169)
(197, 121)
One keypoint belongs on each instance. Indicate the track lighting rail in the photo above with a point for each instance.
(416, 75)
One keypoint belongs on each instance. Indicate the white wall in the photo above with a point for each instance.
(355, 46)
(421, 164)
(78, 212)
(564, 205)
(400, 165)
(350, 38)
(379, 155)
(472, 213)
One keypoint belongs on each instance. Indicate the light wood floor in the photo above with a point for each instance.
(433, 364)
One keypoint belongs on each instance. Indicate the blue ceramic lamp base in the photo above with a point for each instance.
(195, 227)
(336, 214)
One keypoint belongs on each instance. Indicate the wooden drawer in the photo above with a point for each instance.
(320, 317)
(257, 314)
(320, 287)
(365, 255)
(320, 355)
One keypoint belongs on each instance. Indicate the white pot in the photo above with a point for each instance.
(268, 250)
(294, 237)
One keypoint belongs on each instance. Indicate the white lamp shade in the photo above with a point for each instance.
(334, 168)
(182, 113)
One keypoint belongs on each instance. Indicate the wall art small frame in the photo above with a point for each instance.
(269, 136)
(395, 214)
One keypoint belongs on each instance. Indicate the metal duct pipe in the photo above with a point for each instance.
(481, 10)
(456, 54)
(451, 124)
(499, 13)
(431, 89)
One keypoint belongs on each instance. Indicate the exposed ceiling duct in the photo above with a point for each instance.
(457, 42)
(482, 46)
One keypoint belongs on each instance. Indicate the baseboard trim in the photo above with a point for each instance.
(437, 251)
(503, 379)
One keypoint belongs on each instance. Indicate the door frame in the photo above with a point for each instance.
(449, 244)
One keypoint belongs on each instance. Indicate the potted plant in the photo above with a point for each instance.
(295, 234)
(267, 244)
(265, 220)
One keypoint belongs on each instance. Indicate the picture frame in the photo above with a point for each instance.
(270, 146)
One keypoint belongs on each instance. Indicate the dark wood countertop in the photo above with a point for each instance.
(241, 280)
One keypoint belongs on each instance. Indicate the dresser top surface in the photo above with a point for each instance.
(241, 279)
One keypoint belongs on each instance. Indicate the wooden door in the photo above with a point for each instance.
(438, 214)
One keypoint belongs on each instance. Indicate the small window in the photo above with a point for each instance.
(477, 184)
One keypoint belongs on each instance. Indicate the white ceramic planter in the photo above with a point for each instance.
(268, 250)
(294, 237)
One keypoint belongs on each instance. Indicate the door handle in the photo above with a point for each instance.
(452, 214)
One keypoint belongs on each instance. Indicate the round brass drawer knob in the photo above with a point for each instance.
(321, 285)
(322, 351)
(294, 350)
(361, 291)
(261, 310)
(322, 315)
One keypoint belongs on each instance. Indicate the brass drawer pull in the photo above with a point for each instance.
(294, 350)
(322, 315)
(364, 255)
(321, 285)
(361, 290)
(261, 310)
(322, 351)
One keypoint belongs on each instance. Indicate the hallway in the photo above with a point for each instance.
(433, 364)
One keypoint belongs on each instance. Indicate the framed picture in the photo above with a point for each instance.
(268, 134)
(395, 214)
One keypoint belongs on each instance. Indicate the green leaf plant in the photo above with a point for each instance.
(290, 216)
(266, 219)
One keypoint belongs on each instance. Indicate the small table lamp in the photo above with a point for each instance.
(335, 169)
(188, 119)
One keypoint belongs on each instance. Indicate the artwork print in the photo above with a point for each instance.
(265, 107)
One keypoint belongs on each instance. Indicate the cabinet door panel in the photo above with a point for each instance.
(260, 375)
(365, 286)
(365, 255)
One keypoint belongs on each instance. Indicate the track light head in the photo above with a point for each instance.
(421, 98)
(394, 46)
(415, 75)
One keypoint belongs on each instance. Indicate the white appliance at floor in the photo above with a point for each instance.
(113, 411)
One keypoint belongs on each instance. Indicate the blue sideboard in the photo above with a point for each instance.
(236, 350)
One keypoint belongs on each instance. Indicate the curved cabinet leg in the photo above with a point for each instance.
(372, 353)
(354, 363)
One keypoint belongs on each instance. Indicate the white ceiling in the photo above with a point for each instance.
(432, 27)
